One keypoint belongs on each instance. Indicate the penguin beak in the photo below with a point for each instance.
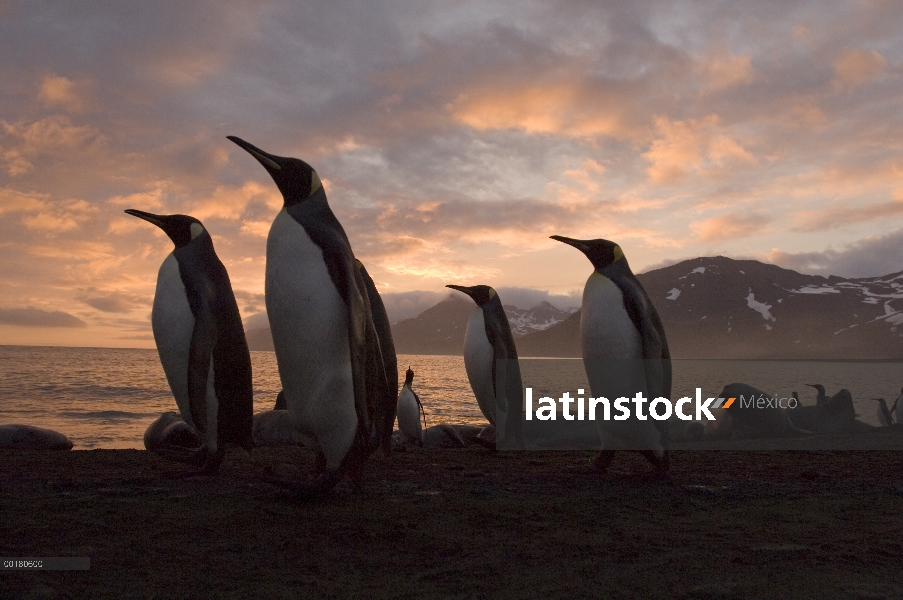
(271, 162)
(462, 288)
(149, 217)
(812, 385)
(578, 244)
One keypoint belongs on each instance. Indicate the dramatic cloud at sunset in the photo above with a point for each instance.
(453, 139)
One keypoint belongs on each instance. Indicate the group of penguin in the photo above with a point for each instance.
(334, 348)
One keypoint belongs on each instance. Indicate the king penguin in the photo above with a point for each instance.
(409, 410)
(822, 397)
(488, 347)
(201, 341)
(328, 350)
(884, 414)
(624, 351)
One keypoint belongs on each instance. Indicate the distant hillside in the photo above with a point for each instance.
(723, 308)
(713, 307)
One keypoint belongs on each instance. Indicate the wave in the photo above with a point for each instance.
(106, 414)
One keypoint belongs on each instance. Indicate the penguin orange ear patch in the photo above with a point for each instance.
(196, 230)
(315, 182)
(619, 254)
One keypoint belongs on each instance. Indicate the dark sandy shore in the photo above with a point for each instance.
(466, 523)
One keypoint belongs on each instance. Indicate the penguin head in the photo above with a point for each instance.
(181, 229)
(817, 386)
(296, 179)
(408, 377)
(599, 252)
(481, 294)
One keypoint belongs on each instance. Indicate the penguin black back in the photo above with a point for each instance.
(386, 389)
(218, 334)
(608, 260)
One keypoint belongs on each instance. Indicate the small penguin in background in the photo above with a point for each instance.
(489, 346)
(410, 410)
(884, 415)
(331, 359)
(625, 351)
(822, 397)
(796, 397)
(201, 342)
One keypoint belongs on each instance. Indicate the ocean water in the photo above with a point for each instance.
(106, 398)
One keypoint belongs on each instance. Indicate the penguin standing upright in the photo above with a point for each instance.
(328, 349)
(488, 347)
(409, 410)
(822, 397)
(201, 341)
(624, 351)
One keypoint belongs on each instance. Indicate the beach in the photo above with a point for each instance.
(729, 522)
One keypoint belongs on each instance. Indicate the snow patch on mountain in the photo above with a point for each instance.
(760, 307)
(673, 294)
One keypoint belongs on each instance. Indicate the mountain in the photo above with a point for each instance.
(539, 318)
(260, 339)
(723, 308)
(711, 307)
(437, 330)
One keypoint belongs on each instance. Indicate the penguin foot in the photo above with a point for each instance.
(602, 462)
(489, 445)
(320, 488)
(210, 461)
(661, 464)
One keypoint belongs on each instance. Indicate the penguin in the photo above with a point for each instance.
(201, 342)
(897, 408)
(884, 415)
(625, 351)
(796, 397)
(489, 346)
(328, 349)
(822, 397)
(410, 410)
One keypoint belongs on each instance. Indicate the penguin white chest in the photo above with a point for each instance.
(606, 330)
(478, 359)
(173, 325)
(409, 414)
(309, 323)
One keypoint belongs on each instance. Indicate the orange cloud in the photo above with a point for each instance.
(440, 269)
(63, 92)
(832, 218)
(16, 201)
(52, 135)
(855, 67)
(563, 108)
(727, 227)
(61, 216)
(692, 145)
(725, 69)
(229, 202)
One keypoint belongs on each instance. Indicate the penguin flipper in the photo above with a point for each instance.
(656, 355)
(203, 339)
(498, 331)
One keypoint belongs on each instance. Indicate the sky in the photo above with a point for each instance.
(453, 138)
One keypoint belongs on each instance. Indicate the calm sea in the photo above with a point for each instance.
(106, 398)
